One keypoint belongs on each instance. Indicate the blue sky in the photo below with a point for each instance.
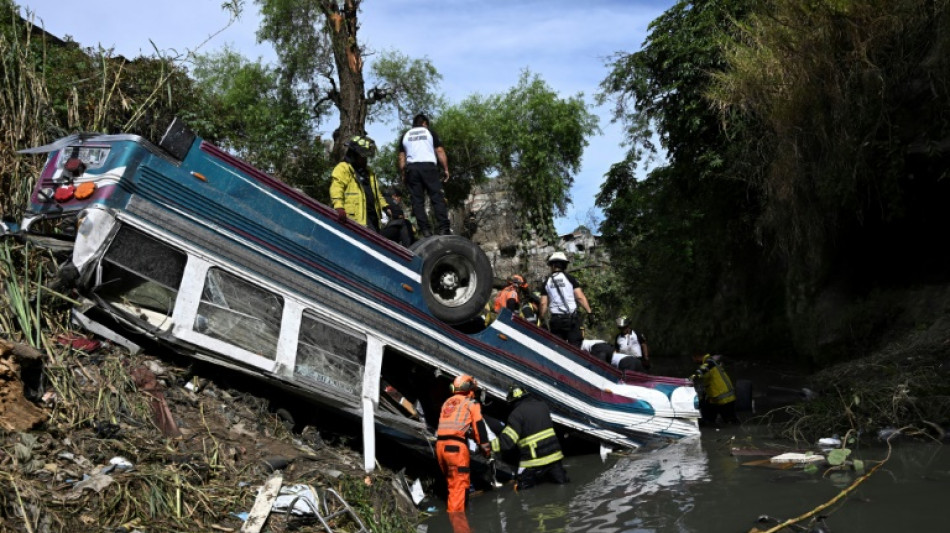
(479, 46)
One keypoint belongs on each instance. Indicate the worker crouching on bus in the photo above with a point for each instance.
(530, 429)
(461, 419)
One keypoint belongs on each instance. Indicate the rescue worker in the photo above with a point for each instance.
(562, 295)
(717, 396)
(354, 191)
(629, 343)
(420, 155)
(460, 420)
(606, 352)
(511, 292)
(399, 228)
(531, 430)
(530, 308)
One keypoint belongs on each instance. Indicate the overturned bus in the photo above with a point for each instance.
(187, 245)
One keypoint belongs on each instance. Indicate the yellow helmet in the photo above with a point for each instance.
(516, 392)
(362, 145)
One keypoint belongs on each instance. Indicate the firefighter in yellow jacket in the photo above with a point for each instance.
(717, 395)
(530, 429)
(354, 191)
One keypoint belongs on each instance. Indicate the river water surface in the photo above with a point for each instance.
(700, 486)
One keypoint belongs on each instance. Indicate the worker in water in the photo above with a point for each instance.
(460, 420)
(717, 396)
(530, 429)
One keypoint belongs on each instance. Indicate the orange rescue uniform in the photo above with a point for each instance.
(501, 301)
(461, 418)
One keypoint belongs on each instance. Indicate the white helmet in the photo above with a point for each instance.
(557, 257)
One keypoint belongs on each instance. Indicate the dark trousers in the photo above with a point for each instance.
(710, 412)
(567, 327)
(423, 179)
(553, 472)
(400, 231)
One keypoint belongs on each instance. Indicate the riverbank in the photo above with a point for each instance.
(904, 383)
(137, 443)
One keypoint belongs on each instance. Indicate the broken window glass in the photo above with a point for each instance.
(330, 355)
(240, 313)
(141, 274)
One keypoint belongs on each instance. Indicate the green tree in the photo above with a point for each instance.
(411, 84)
(530, 137)
(318, 48)
(244, 108)
(682, 237)
(851, 162)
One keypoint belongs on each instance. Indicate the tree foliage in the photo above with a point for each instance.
(318, 48)
(682, 235)
(849, 173)
(806, 152)
(245, 109)
(530, 137)
(410, 84)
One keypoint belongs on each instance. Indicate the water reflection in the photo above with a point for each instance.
(697, 486)
(622, 498)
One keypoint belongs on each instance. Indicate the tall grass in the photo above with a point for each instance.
(24, 109)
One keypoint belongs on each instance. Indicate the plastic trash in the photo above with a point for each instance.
(797, 458)
(417, 493)
(604, 451)
(299, 500)
(121, 463)
(829, 442)
(117, 464)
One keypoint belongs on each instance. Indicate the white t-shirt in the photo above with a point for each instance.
(629, 344)
(419, 145)
(560, 289)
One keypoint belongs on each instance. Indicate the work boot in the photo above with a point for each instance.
(426, 233)
(445, 231)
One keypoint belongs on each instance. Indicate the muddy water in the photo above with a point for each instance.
(701, 487)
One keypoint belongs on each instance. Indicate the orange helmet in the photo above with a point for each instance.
(464, 384)
(517, 281)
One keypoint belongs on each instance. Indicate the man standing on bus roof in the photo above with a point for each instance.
(420, 153)
(562, 295)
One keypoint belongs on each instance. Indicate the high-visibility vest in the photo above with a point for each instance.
(716, 383)
(501, 301)
(458, 418)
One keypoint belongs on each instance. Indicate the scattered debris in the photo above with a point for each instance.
(263, 503)
(78, 342)
(100, 459)
(797, 458)
(146, 381)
